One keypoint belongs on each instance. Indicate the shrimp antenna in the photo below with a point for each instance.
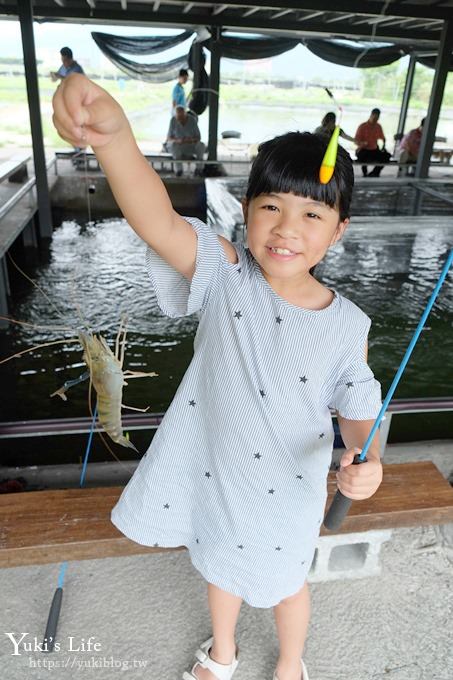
(31, 349)
(34, 325)
(35, 285)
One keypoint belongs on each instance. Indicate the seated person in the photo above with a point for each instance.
(183, 139)
(367, 136)
(328, 126)
(409, 147)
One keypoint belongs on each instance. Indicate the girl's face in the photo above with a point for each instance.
(300, 227)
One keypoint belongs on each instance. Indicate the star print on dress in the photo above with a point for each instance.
(241, 547)
(166, 506)
(278, 319)
(303, 379)
(271, 491)
(278, 548)
(322, 435)
(349, 384)
(237, 315)
(263, 393)
(156, 545)
(239, 270)
(257, 455)
(192, 402)
(196, 540)
(299, 477)
(207, 474)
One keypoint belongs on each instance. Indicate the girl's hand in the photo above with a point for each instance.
(358, 481)
(85, 114)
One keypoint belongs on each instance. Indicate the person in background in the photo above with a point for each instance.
(178, 95)
(183, 138)
(367, 136)
(409, 147)
(328, 126)
(69, 65)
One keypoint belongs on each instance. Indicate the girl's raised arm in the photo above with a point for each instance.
(85, 114)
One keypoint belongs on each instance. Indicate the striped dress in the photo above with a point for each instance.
(237, 469)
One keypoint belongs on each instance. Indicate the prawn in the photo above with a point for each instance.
(105, 373)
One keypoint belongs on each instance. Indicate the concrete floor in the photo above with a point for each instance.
(147, 614)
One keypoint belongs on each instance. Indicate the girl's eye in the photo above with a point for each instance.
(313, 216)
(270, 207)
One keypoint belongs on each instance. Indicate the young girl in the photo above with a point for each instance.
(237, 469)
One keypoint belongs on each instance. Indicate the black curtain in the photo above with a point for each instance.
(234, 47)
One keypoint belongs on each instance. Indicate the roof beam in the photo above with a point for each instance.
(188, 7)
(156, 5)
(218, 9)
(124, 5)
(139, 14)
(251, 11)
(340, 17)
(307, 17)
(282, 13)
(92, 4)
(364, 7)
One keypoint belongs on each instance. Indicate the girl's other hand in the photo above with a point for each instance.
(85, 114)
(358, 481)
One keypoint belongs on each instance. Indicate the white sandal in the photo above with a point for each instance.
(220, 670)
(304, 672)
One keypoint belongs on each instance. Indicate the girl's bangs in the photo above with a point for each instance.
(290, 164)
(297, 177)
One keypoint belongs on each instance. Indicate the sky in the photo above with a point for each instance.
(50, 37)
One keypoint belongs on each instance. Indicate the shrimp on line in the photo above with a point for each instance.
(106, 375)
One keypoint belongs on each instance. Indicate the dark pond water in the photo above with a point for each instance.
(95, 273)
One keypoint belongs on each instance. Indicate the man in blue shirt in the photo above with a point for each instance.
(178, 95)
(69, 65)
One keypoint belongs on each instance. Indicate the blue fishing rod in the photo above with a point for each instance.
(341, 504)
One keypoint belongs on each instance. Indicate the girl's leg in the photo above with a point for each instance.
(291, 617)
(224, 609)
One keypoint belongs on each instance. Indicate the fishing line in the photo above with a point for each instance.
(85, 162)
(373, 34)
(88, 447)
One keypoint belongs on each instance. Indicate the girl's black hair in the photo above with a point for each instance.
(290, 164)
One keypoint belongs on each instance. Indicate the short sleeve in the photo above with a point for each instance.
(176, 295)
(357, 394)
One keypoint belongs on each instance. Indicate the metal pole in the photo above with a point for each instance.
(31, 77)
(435, 100)
(407, 94)
(214, 83)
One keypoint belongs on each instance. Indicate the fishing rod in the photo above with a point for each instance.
(54, 613)
(341, 504)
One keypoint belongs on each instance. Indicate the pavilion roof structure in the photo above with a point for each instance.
(422, 28)
(413, 22)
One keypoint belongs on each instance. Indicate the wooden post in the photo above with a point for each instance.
(31, 77)
(407, 94)
(435, 100)
(214, 84)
